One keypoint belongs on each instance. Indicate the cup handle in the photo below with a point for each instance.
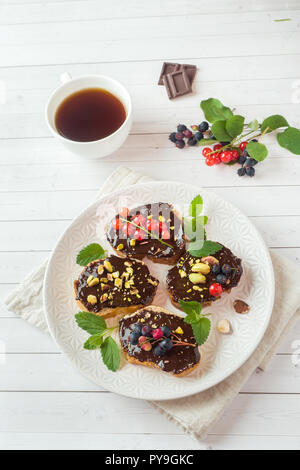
(65, 77)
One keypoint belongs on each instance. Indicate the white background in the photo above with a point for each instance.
(247, 60)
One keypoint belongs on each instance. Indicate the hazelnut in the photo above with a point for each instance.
(224, 327)
(201, 268)
(210, 260)
(241, 307)
(108, 266)
(197, 278)
(92, 299)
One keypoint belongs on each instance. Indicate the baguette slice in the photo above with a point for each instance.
(166, 224)
(180, 287)
(179, 360)
(113, 286)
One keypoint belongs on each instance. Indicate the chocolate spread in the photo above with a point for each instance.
(176, 360)
(180, 287)
(150, 246)
(129, 283)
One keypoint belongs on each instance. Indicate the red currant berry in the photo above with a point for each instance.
(243, 145)
(217, 159)
(117, 224)
(139, 220)
(139, 235)
(206, 151)
(225, 157)
(162, 226)
(217, 147)
(124, 212)
(128, 230)
(235, 154)
(209, 161)
(215, 289)
(152, 225)
(165, 235)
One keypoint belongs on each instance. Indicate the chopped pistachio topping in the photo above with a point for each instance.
(92, 299)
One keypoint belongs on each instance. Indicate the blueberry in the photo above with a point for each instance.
(245, 154)
(203, 126)
(180, 144)
(251, 162)
(166, 344)
(241, 171)
(254, 140)
(146, 330)
(166, 331)
(134, 338)
(221, 278)
(158, 351)
(192, 141)
(181, 128)
(216, 269)
(172, 137)
(138, 328)
(198, 136)
(250, 170)
(179, 136)
(242, 159)
(226, 269)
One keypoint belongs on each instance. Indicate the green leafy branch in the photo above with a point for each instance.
(199, 322)
(230, 128)
(100, 338)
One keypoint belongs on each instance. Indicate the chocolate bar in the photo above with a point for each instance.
(177, 84)
(168, 67)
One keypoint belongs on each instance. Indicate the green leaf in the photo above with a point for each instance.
(208, 248)
(194, 227)
(235, 125)
(290, 140)
(254, 125)
(257, 151)
(90, 253)
(214, 110)
(203, 142)
(219, 131)
(94, 342)
(91, 323)
(190, 308)
(196, 206)
(110, 354)
(201, 330)
(273, 122)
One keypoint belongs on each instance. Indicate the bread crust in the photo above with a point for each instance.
(151, 364)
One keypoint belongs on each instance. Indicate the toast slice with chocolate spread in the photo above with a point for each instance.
(196, 279)
(113, 286)
(155, 337)
(153, 230)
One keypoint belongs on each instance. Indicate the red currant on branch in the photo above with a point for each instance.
(140, 227)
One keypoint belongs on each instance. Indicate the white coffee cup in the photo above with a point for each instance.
(97, 148)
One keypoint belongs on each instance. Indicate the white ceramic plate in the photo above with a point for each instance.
(221, 355)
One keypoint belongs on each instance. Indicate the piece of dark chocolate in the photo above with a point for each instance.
(191, 71)
(167, 67)
(177, 84)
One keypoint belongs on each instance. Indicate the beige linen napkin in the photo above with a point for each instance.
(195, 414)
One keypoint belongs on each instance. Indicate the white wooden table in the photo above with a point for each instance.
(247, 60)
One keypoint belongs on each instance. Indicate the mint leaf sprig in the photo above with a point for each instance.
(199, 322)
(90, 253)
(100, 338)
(227, 127)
